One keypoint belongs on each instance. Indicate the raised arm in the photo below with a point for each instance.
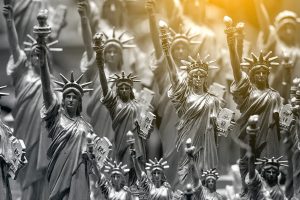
(190, 151)
(86, 32)
(263, 18)
(150, 7)
(11, 31)
(99, 49)
(166, 46)
(231, 41)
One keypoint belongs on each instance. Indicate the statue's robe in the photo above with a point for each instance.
(28, 127)
(67, 172)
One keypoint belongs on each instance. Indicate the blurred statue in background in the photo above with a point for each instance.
(281, 38)
(12, 157)
(25, 74)
(253, 95)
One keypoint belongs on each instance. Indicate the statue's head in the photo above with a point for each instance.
(113, 48)
(259, 67)
(124, 86)
(117, 173)
(197, 70)
(286, 25)
(210, 179)
(270, 169)
(72, 94)
(157, 167)
(113, 12)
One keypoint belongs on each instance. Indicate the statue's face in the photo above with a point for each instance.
(124, 92)
(287, 32)
(271, 174)
(157, 176)
(71, 102)
(261, 76)
(198, 79)
(116, 180)
(112, 55)
(180, 51)
(211, 184)
(34, 59)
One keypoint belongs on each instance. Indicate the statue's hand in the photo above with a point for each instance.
(8, 12)
(150, 6)
(83, 8)
(189, 149)
(40, 52)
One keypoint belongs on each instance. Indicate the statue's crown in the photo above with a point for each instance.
(73, 84)
(197, 64)
(271, 161)
(211, 173)
(120, 79)
(261, 61)
(157, 165)
(112, 167)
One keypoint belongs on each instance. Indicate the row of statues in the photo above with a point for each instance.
(111, 156)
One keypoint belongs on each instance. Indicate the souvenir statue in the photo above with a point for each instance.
(196, 108)
(123, 108)
(12, 157)
(281, 38)
(155, 187)
(263, 185)
(253, 95)
(68, 172)
(209, 177)
(24, 72)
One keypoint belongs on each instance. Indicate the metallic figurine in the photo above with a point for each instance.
(253, 95)
(196, 108)
(24, 71)
(264, 185)
(156, 187)
(123, 108)
(210, 177)
(12, 157)
(68, 172)
(280, 38)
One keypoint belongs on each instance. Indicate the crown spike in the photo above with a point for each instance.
(188, 31)
(28, 43)
(114, 33)
(267, 56)
(121, 35)
(31, 38)
(65, 80)
(52, 43)
(72, 77)
(129, 39)
(172, 31)
(59, 83)
(254, 58)
(79, 79)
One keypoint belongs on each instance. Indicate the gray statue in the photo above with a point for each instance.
(253, 95)
(196, 108)
(24, 71)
